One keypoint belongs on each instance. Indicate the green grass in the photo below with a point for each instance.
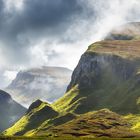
(126, 49)
(32, 120)
(62, 138)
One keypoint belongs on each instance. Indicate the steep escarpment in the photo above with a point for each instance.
(107, 76)
(10, 111)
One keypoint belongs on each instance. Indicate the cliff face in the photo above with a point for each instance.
(107, 76)
(93, 66)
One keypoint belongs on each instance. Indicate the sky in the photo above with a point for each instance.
(35, 33)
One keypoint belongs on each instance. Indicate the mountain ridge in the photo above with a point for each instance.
(37, 83)
(105, 83)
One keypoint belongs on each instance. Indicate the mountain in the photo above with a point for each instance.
(10, 111)
(129, 31)
(42, 120)
(37, 113)
(102, 99)
(107, 76)
(38, 83)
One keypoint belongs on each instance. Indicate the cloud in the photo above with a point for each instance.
(10, 75)
(50, 32)
(21, 29)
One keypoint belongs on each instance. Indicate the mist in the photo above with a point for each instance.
(57, 33)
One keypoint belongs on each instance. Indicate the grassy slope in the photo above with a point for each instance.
(125, 94)
(126, 49)
(63, 138)
(93, 124)
(38, 112)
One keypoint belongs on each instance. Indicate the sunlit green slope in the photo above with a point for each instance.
(37, 113)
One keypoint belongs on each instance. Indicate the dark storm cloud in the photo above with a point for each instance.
(56, 21)
(37, 19)
(49, 13)
(45, 14)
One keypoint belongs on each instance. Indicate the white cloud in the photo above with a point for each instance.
(10, 75)
(65, 50)
(13, 4)
(84, 32)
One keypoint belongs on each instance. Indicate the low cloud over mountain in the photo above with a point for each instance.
(46, 83)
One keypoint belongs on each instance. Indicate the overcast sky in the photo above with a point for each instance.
(55, 32)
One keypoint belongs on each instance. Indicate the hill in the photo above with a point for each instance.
(10, 111)
(102, 123)
(37, 83)
(37, 113)
(50, 123)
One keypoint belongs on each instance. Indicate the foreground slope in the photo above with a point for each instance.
(52, 124)
(93, 124)
(37, 113)
(38, 83)
(10, 111)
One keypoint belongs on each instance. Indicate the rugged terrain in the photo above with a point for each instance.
(107, 76)
(10, 111)
(108, 70)
(42, 120)
(38, 83)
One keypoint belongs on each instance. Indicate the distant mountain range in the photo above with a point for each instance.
(46, 83)
(10, 111)
(103, 97)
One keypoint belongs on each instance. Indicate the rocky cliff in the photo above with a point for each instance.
(107, 76)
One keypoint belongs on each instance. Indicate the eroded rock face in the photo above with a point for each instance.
(107, 76)
(93, 66)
